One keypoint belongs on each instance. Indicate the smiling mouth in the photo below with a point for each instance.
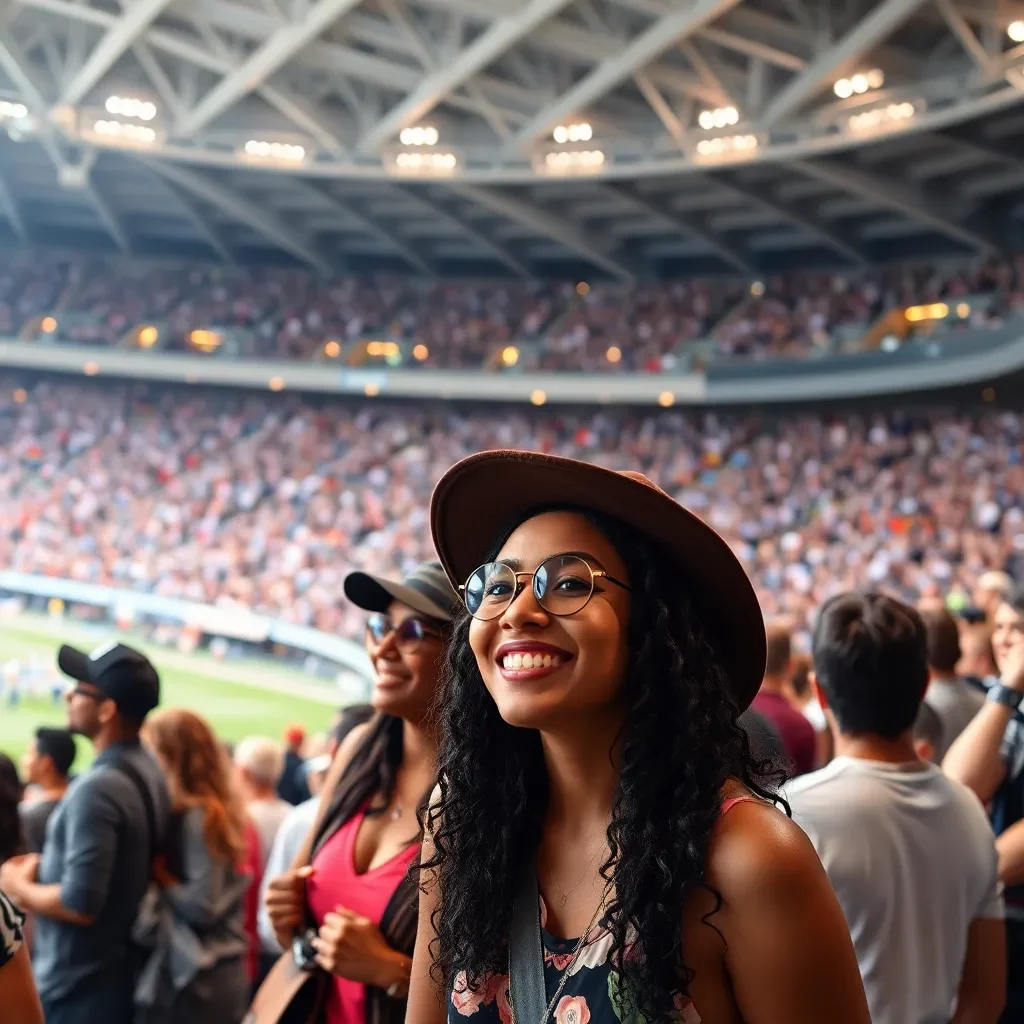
(520, 666)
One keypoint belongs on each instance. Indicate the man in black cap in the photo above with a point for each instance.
(86, 889)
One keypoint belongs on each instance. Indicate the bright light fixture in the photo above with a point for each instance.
(721, 117)
(581, 132)
(14, 111)
(859, 83)
(574, 159)
(285, 151)
(726, 144)
(129, 106)
(1015, 30)
(126, 132)
(426, 161)
(425, 136)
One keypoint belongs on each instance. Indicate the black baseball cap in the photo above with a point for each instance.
(119, 672)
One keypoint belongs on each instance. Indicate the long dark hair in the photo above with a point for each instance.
(679, 745)
(11, 792)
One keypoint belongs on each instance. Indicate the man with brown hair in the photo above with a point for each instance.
(953, 700)
(773, 702)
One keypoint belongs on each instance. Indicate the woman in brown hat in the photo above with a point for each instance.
(602, 846)
(349, 905)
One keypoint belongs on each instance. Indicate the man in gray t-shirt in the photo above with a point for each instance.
(910, 853)
(951, 698)
(86, 889)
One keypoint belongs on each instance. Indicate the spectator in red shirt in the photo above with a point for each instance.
(773, 702)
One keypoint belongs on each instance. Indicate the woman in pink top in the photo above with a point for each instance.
(354, 907)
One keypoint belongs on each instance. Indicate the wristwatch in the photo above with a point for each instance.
(999, 694)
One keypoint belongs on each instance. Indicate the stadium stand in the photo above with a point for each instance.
(268, 501)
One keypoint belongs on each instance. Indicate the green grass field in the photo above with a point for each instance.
(243, 699)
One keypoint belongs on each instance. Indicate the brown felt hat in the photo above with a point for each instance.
(492, 491)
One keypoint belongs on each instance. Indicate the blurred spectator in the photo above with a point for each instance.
(85, 891)
(954, 701)
(988, 757)
(260, 761)
(773, 702)
(18, 995)
(47, 768)
(12, 842)
(193, 925)
(909, 852)
(291, 787)
(991, 590)
(977, 663)
(927, 733)
(293, 314)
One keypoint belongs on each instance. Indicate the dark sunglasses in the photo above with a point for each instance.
(80, 691)
(409, 633)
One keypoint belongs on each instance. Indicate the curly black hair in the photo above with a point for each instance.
(679, 745)
(11, 792)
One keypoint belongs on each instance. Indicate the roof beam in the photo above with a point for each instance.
(964, 34)
(9, 208)
(107, 215)
(688, 225)
(948, 218)
(119, 37)
(17, 68)
(669, 30)
(545, 223)
(209, 231)
(832, 235)
(268, 58)
(754, 48)
(867, 33)
(500, 251)
(502, 34)
(401, 245)
(966, 138)
(248, 212)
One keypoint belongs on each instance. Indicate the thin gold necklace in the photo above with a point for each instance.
(563, 895)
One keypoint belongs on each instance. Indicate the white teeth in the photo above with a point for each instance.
(521, 662)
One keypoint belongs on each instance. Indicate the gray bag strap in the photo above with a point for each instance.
(527, 988)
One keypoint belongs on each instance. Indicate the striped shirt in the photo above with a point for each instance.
(11, 922)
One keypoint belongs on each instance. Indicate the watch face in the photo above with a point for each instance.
(303, 952)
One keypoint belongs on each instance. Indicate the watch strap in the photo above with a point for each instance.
(999, 694)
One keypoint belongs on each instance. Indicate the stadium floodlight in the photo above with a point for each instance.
(727, 144)
(666, 399)
(426, 163)
(567, 161)
(131, 106)
(859, 83)
(510, 355)
(580, 132)
(125, 131)
(881, 117)
(1015, 30)
(422, 136)
(274, 152)
(12, 111)
(720, 117)
(538, 397)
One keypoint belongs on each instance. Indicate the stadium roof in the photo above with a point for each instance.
(621, 138)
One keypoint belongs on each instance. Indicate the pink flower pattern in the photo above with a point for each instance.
(588, 996)
(572, 1010)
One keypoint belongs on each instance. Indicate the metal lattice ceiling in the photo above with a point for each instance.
(342, 78)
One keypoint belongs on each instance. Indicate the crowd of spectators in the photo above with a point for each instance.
(293, 314)
(266, 502)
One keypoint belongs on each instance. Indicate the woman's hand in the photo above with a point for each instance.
(354, 948)
(286, 904)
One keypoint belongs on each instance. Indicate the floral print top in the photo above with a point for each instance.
(591, 994)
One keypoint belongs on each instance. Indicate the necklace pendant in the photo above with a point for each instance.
(396, 813)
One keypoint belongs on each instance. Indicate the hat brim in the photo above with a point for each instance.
(74, 664)
(491, 491)
(375, 594)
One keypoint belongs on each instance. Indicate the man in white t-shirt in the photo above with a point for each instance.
(910, 853)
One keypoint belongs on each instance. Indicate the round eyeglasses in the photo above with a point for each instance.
(409, 633)
(562, 585)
